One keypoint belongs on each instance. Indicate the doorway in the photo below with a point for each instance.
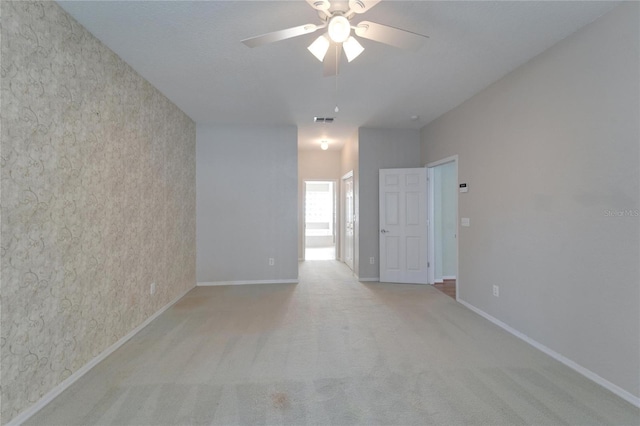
(319, 220)
(443, 232)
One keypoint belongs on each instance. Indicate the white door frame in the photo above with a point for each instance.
(343, 230)
(431, 211)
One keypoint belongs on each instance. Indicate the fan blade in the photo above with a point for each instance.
(361, 6)
(389, 35)
(319, 4)
(322, 6)
(332, 60)
(280, 35)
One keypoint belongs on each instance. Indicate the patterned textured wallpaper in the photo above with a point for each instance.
(98, 200)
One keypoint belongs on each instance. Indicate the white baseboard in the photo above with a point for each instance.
(217, 283)
(363, 280)
(49, 396)
(627, 396)
(449, 277)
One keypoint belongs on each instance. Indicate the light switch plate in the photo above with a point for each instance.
(465, 221)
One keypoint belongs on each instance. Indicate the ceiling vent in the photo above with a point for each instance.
(323, 119)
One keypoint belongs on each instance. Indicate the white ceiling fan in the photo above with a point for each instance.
(336, 16)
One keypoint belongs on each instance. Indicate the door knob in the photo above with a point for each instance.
(384, 231)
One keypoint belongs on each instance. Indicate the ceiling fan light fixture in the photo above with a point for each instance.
(339, 29)
(319, 47)
(352, 48)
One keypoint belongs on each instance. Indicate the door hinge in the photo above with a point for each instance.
(428, 265)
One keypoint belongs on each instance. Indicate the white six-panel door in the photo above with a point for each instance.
(403, 225)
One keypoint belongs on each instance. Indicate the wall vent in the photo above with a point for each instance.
(323, 119)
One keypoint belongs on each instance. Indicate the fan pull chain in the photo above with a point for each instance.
(337, 58)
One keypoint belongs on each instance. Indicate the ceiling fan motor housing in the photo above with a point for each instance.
(339, 28)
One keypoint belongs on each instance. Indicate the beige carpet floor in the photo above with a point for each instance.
(330, 351)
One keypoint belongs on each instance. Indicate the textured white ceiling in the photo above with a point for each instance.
(191, 51)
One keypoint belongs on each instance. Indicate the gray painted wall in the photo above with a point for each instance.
(379, 149)
(550, 153)
(445, 220)
(247, 203)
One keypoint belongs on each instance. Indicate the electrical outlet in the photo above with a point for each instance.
(272, 261)
(496, 291)
(152, 289)
(372, 260)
